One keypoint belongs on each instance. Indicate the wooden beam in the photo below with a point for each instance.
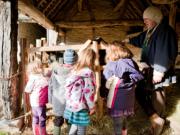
(50, 4)
(64, 10)
(136, 9)
(120, 5)
(34, 13)
(58, 4)
(172, 15)
(59, 48)
(39, 4)
(89, 8)
(54, 48)
(80, 5)
(9, 73)
(99, 24)
(164, 1)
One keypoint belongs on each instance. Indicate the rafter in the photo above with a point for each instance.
(119, 5)
(164, 1)
(91, 14)
(135, 8)
(39, 4)
(50, 4)
(55, 6)
(34, 13)
(63, 9)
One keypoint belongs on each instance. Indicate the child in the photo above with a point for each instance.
(80, 91)
(122, 74)
(37, 87)
(57, 90)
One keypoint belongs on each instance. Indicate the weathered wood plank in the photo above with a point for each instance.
(164, 1)
(99, 24)
(58, 48)
(8, 61)
(34, 13)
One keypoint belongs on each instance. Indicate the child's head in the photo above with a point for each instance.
(86, 59)
(70, 56)
(117, 50)
(35, 67)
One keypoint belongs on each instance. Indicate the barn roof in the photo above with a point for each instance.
(90, 13)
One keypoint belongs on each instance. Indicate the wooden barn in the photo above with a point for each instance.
(41, 27)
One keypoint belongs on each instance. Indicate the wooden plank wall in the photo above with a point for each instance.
(8, 63)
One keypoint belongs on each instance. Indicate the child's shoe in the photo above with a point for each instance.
(124, 132)
(157, 124)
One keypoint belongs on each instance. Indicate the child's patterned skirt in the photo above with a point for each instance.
(80, 118)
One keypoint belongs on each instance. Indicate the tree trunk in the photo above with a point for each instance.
(8, 60)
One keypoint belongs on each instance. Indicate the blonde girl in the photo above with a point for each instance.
(122, 74)
(37, 88)
(80, 90)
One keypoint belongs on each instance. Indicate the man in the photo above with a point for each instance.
(159, 51)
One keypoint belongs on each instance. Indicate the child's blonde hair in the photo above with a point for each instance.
(86, 59)
(35, 67)
(117, 50)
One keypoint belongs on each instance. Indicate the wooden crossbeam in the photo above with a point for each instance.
(164, 1)
(99, 24)
(34, 13)
(58, 48)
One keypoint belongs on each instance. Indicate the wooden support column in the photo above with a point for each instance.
(23, 64)
(98, 80)
(23, 79)
(8, 61)
(172, 15)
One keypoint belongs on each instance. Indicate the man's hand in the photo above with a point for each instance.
(157, 76)
(126, 40)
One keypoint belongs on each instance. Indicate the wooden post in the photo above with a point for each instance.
(172, 15)
(8, 60)
(98, 81)
(23, 77)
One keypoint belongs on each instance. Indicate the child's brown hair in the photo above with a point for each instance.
(117, 50)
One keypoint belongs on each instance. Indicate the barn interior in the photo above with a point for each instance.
(48, 27)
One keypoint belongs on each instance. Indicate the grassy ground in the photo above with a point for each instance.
(138, 125)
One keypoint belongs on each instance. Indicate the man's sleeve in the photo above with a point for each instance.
(166, 51)
(138, 40)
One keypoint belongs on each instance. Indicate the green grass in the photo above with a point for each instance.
(3, 133)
